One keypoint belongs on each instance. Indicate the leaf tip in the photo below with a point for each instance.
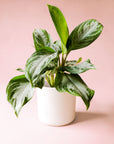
(94, 68)
(87, 107)
(91, 93)
(49, 6)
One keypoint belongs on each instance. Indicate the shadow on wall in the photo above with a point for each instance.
(88, 116)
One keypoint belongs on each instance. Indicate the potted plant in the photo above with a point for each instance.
(56, 101)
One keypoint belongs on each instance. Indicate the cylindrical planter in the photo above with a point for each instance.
(55, 108)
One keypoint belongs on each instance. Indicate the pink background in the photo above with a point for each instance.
(18, 18)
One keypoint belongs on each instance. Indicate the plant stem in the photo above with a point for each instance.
(48, 79)
(59, 62)
(64, 59)
(52, 80)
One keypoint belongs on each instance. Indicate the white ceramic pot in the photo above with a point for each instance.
(55, 108)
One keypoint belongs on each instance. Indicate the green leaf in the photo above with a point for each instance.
(64, 49)
(56, 48)
(79, 68)
(46, 49)
(73, 62)
(58, 45)
(70, 63)
(19, 92)
(79, 60)
(60, 25)
(38, 64)
(74, 85)
(41, 39)
(38, 81)
(53, 64)
(20, 69)
(84, 34)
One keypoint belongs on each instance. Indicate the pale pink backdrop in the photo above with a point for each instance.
(18, 18)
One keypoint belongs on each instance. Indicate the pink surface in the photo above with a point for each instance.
(17, 22)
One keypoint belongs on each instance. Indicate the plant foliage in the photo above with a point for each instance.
(49, 62)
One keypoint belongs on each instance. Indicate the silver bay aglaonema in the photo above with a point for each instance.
(49, 62)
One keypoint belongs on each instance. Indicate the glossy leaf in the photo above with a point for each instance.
(38, 81)
(19, 92)
(58, 45)
(74, 85)
(79, 68)
(73, 62)
(70, 63)
(56, 48)
(41, 39)
(60, 25)
(38, 64)
(84, 34)
(46, 49)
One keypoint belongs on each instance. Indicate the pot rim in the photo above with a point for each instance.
(46, 85)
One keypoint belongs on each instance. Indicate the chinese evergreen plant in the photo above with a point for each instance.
(49, 62)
